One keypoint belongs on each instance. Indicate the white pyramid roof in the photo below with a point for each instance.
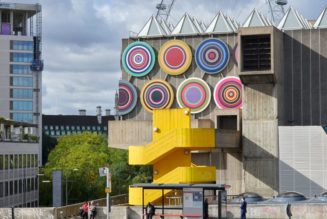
(256, 19)
(185, 26)
(232, 23)
(321, 22)
(171, 27)
(197, 24)
(204, 27)
(293, 20)
(165, 26)
(152, 28)
(220, 24)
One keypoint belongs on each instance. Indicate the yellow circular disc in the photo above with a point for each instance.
(175, 57)
(157, 94)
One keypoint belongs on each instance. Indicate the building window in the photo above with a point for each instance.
(21, 57)
(83, 128)
(78, 128)
(93, 128)
(63, 132)
(21, 81)
(21, 105)
(88, 128)
(6, 188)
(67, 127)
(22, 117)
(105, 128)
(47, 132)
(62, 127)
(51, 127)
(256, 53)
(73, 127)
(57, 133)
(99, 128)
(227, 122)
(20, 69)
(21, 93)
(45, 127)
(21, 45)
(1, 190)
(52, 133)
(20, 158)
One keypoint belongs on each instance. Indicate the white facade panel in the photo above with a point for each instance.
(302, 165)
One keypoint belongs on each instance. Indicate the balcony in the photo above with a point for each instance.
(21, 132)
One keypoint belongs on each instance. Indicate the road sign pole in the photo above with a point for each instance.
(108, 194)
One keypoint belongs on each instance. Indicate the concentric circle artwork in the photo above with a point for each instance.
(194, 93)
(228, 93)
(127, 97)
(235, 54)
(138, 59)
(157, 94)
(175, 57)
(212, 56)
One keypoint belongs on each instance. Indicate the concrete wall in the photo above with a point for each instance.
(129, 132)
(305, 78)
(260, 139)
(302, 168)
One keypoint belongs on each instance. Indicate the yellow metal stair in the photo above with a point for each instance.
(170, 153)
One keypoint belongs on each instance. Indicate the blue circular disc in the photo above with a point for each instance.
(212, 56)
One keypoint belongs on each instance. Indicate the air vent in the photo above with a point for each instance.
(256, 53)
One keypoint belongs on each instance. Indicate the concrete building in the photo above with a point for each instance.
(20, 98)
(275, 139)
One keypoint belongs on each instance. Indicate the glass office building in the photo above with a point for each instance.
(20, 103)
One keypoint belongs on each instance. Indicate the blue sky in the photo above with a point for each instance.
(82, 42)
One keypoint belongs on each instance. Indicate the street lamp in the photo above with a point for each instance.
(38, 187)
(75, 169)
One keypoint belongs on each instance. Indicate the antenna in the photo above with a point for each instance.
(276, 9)
(164, 9)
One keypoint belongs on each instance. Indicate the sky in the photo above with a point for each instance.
(81, 45)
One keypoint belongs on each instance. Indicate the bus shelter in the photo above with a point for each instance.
(192, 199)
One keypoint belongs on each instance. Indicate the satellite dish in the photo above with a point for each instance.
(281, 2)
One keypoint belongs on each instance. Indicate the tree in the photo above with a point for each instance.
(87, 152)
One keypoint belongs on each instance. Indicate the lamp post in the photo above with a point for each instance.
(38, 185)
(75, 169)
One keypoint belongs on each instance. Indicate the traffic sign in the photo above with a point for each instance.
(103, 171)
(107, 190)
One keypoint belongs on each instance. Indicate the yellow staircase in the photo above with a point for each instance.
(170, 153)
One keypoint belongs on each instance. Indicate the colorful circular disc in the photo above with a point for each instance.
(157, 94)
(212, 56)
(127, 97)
(228, 93)
(235, 54)
(175, 57)
(138, 59)
(194, 93)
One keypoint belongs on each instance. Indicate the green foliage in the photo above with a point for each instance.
(87, 152)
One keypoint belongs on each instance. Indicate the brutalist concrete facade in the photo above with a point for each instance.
(290, 93)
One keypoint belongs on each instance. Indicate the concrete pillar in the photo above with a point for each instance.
(11, 22)
(260, 139)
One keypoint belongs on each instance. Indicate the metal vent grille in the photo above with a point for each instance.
(256, 51)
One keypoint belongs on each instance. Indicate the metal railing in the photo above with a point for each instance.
(73, 210)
